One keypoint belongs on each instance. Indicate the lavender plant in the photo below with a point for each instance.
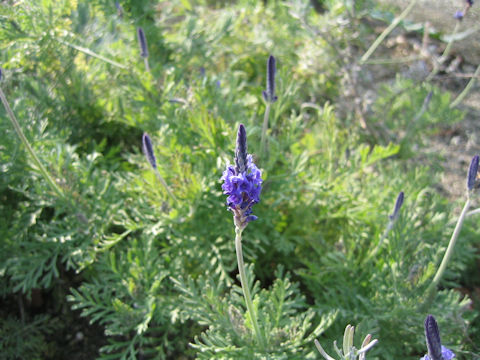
(391, 222)
(243, 184)
(471, 183)
(150, 156)
(320, 212)
(142, 41)
(269, 97)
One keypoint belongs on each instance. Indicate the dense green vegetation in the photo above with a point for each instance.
(156, 278)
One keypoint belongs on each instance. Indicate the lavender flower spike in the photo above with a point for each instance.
(143, 42)
(458, 15)
(398, 205)
(436, 351)
(148, 150)
(242, 183)
(269, 94)
(472, 173)
(119, 9)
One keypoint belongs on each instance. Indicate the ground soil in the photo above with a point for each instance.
(457, 143)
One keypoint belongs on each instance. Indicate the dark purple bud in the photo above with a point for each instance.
(148, 150)
(398, 205)
(432, 335)
(269, 94)
(241, 150)
(458, 15)
(427, 99)
(119, 8)
(470, 2)
(1, 74)
(472, 173)
(143, 42)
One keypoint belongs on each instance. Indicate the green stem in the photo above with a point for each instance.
(446, 52)
(467, 89)
(382, 239)
(92, 54)
(147, 66)
(246, 290)
(30, 150)
(264, 130)
(387, 31)
(163, 182)
(448, 253)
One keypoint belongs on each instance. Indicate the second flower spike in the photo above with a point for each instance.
(269, 93)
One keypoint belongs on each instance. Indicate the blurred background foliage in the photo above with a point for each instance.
(117, 270)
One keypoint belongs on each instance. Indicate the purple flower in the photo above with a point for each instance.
(242, 183)
(148, 150)
(269, 94)
(398, 205)
(119, 8)
(143, 43)
(436, 351)
(472, 173)
(458, 15)
(470, 2)
(447, 354)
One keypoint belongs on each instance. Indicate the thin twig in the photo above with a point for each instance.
(387, 31)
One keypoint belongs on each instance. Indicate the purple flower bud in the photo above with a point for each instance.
(436, 351)
(269, 94)
(472, 173)
(432, 335)
(458, 15)
(148, 150)
(1, 74)
(427, 99)
(241, 150)
(398, 205)
(143, 42)
(470, 2)
(119, 8)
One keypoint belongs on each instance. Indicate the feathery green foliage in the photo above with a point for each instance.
(159, 277)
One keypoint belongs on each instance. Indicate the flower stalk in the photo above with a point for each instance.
(142, 40)
(36, 160)
(245, 288)
(387, 31)
(391, 222)
(150, 155)
(471, 183)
